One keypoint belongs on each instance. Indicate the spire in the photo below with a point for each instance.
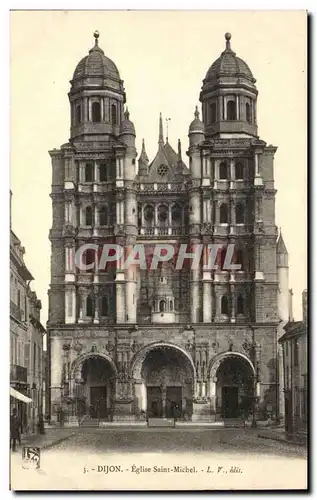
(281, 247)
(179, 151)
(161, 137)
(143, 156)
(127, 114)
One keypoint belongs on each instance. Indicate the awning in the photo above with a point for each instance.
(18, 395)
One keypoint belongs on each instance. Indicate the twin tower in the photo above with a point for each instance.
(225, 196)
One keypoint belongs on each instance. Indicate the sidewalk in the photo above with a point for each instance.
(51, 437)
(279, 434)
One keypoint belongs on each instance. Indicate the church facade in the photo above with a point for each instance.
(129, 341)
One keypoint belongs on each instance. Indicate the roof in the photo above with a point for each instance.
(293, 329)
(281, 247)
(228, 64)
(96, 64)
(166, 155)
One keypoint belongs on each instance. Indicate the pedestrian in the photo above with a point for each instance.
(15, 430)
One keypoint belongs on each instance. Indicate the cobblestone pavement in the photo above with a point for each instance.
(174, 440)
(74, 463)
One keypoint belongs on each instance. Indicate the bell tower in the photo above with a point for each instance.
(229, 97)
(96, 97)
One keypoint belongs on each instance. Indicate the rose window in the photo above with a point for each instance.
(162, 170)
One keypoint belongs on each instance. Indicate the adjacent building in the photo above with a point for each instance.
(26, 340)
(295, 355)
(127, 341)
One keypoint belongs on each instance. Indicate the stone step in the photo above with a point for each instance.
(161, 422)
(90, 422)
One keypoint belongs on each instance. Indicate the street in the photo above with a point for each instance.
(154, 458)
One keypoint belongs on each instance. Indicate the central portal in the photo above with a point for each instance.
(168, 378)
(230, 402)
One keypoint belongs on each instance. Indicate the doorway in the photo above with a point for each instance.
(173, 399)
(154, 402)
(230, 402)
(98, 402)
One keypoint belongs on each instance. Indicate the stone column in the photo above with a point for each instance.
(207, 297)
(85, 109)
(106, 105)
(194, 289)
(96, 179)
(82, 293)
(237, 108)
(96, 215)
(233, 303)
(56, 366)
(89, 110)
(213, 396)
(120, 291)
(96, 300)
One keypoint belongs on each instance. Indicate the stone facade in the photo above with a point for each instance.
(215, 325)
(26, 339)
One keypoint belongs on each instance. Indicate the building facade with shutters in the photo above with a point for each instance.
(26, 340)
(127, 341)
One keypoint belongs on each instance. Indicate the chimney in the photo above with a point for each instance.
(304, 305)
(290, 305)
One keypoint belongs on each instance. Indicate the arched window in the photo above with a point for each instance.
(176, 213)
(90, 309)
(248, 112)
(113, 114)
(88, 216)
(149, 214)
(89, 258)
(103, 216)
(239, 213)
(224, 305)
(171, 305)
(103, 172)
(223, 253)
(240, 305)
(162, 305)
(238, 170)
(224, 213)
(78, 114)
(223, 170)
(231, 110)
(89, 172)
(162, 214)
(213, 112)
(104, 306)
(96, 112)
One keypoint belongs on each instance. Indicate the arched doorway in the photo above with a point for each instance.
(231, 376)
(234, 386)
(165, 380)
(94, 386)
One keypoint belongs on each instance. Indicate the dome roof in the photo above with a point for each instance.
(228, 64)
(127, 127)
(96, 64)
(196, 126)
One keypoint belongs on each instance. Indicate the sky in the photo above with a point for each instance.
(162, 57)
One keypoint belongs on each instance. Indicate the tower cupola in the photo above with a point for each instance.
(228, 96)
(196, 132)
(96, 96)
